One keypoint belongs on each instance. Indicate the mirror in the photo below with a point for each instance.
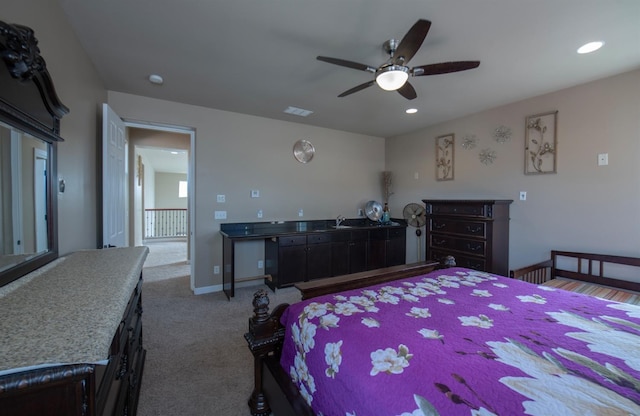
(30, 113)
(24, 163)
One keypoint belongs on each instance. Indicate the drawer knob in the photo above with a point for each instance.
(475, 229)
(474, 247)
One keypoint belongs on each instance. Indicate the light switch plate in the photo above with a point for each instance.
(220, 198)
(603, 159)
(220, 215)
(255, 193)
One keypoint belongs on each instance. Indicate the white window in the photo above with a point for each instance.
(182, 189)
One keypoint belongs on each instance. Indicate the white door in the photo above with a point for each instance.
(40, 199)
(114, 179)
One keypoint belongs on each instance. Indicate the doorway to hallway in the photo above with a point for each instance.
(167, 259)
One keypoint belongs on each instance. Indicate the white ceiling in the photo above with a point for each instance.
(259, 56)
(165, 160)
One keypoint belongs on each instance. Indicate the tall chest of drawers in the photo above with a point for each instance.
(474, 231)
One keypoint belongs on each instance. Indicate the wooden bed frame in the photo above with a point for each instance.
(589, 268)
(273, 390)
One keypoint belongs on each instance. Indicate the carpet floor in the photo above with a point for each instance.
(197, 360)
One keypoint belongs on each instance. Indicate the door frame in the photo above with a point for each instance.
(191, 180)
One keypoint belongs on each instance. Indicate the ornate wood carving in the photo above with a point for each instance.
(265, 337)
(20, 53)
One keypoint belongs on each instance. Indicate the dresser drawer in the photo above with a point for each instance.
(477, 210)
(447, 225)
(475, 247)
(461, 261)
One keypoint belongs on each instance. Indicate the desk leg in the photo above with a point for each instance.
(228, 274)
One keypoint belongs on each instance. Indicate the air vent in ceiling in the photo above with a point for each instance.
(297, 111)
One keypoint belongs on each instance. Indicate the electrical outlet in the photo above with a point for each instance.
(220, 215)
(360, 213)
(523, 196)
(216, 269)
(259, 213)
(260, 264)
(300, 213)
(221, 198)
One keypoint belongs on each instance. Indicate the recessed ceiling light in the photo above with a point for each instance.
(156, 79)
(411, 110)
(590, 47)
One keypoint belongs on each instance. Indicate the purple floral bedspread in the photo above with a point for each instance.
(463, 342)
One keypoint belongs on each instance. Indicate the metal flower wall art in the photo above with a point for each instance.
(444, 157)
(487, 156)
(469, 141)
(502, 134)
(541, 143)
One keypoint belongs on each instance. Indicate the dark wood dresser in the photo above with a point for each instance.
(72, 337)
(474, 231)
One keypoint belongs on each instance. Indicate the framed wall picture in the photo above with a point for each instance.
(444, 157)
(541, 143)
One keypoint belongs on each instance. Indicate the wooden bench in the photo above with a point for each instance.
(587, 273)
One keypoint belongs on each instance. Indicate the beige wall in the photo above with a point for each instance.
(81, 90)
(167, 190)
(584, 207)
(235, 153)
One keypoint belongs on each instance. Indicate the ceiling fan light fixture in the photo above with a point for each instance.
(392, 77)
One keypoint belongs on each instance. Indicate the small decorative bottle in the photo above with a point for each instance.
(385, 214)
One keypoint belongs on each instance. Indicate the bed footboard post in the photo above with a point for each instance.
(265, 336)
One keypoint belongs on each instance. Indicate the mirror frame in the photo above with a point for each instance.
(28, 102)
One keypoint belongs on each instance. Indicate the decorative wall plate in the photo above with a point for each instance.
(303, 151)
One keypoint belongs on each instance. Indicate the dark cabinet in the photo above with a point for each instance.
(298, 258)
(318, 255)
(349, 252)
(475, 232)
(387, 247)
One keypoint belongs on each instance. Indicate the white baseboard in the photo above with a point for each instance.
(218, 288)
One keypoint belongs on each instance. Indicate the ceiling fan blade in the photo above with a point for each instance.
(411, 42)
(348, 64)
(443, 68)
(407, 91)
(357, 88)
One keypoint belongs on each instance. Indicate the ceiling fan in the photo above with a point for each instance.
(394, 73)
